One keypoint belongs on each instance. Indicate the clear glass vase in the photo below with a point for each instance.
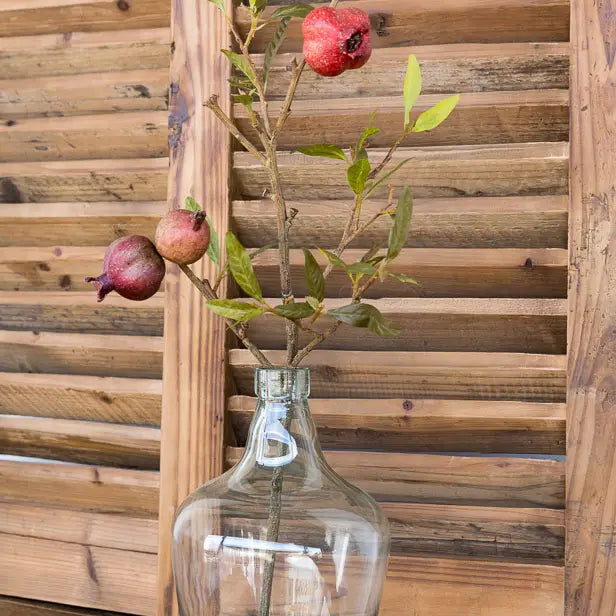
(280, 533)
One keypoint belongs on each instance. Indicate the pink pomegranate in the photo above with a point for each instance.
(182, 236)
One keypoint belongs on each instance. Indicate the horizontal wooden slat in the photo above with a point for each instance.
(78, 574)
(138, 134)
(142, 179)
(77, 224)
(70, 95)
(471, 222)
(495, 376)
(460, 171)
(414, 22)
(426, 425)
(445, 69)
(96, 355)
(87, 442)
(442, 324)
(23, 17)
(445, 479)
(480, 117)
(121, 532)
(83, 52)
(13, 606)
(85, 488)
(79, 312)
(446, 272)
(109, 399)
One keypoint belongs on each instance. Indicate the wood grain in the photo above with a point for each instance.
(70, 95)
(141, 179)
(13, 606)
(494, 376)
(110, 399)
(480, 117)
(194, 383)
(413, 22)
(426, 425)
(83, 52)
(457, 171)
(117, 135)
(467, 222)
(591, 387)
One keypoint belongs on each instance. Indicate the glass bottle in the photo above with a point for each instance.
(280, 533)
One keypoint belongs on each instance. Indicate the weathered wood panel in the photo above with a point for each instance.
(495, 376)
(591, 414)
(12, 606)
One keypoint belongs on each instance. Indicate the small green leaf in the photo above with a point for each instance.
(191, 205)
(383, 327)
(332, 258)
(220, 4)
(242, 84)
(296, 10)
(213, 250)
(314, 302)
(357, 174)
(296, 311)
(412, 86)
(273, 47)
(326, 150)
(230, 309)
(257, 6)
(241, 267)
(402, 224)
(244, 99)
(240, 63)
(360, 268)
(435, 115)
(365, 315)
(403, 278)
(315, 283)
(384, 178)
(369, 132)
(370, 253)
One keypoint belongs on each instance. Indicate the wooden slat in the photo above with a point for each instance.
(426, 425)
(443, 324)
(505, 272)
(433, 587)
(85, 488)
(13, 606)
(195, 371)
(414, 22)
(591, 388)
(461, 171)
(96, 355)
(141, 179)
(142, 90)
(141, 134)
(121, 532)
(79, 312)
(445, 479)
(496, 376)
(79, 574)
(83, 52)
(480, 117)
(444, 68)
(86, 442)
(471, 222)
(77, 224)
(109, 399)
(23, 17)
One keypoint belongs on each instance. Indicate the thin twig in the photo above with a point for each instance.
(314, 343)
(388, 156)
(296, 73)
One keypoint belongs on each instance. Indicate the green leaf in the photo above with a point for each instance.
(231, 309)
(327, 150)
(296, 311)
(332, 258)
(191, 205)
(315, 283)
(412, 86)
(241, 267)
(257, 6)
(240, 63)
(384, 178)
(435, 115)
(402, 224)
(213, 249)
(365, 315)
(244, 99)
(241, 84)
(273, 47)
(369, 132)
(357, 174)
(314, 302)
(220, 4)
(360, 268)
(370, 253)
(403, 278)
(296, 10)
(383, 327)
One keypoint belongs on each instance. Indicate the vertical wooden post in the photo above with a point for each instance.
(194, 352)
(591, 438)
